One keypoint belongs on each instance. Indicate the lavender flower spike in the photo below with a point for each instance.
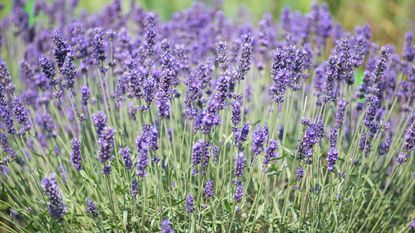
(239, 193)
(56, 208)
(91, 208)
(208, 189)
(189, 203)
(76, 154)
(126, 157)
(166, 226)
(240, 163)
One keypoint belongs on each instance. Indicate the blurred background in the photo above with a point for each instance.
(389, 19)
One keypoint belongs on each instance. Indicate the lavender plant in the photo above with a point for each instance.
(120, 122)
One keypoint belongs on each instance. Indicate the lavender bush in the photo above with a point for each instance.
(120, 122)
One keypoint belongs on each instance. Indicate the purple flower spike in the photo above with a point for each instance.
(332, 156)
(239, 193)
(56, 208)
(76, 158)
(48, 69)
(245, 57)
(142, 163)
(106, 145)
(271, 152)
(100, 122)
(61, 49)
(189, 205)
(208, 189)
(166, 226)
(91, 208)
(259, 137)
(126, 157)
(85, 95)
(240, 163)
(299, 173)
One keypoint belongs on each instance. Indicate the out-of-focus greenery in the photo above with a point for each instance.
(390, 19)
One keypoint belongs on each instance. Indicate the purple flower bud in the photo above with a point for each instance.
(409, 143)
(48, 69)
(100, 122)
(189, 204)
(332, 156)
(76, 158)
(271, 152)
(142, 163)
(208, 189)
(240, 163)
(221, 55)
(98, 46)
(259, 137)
(7, 149)
(68, 71)
(22, 116)
(245, 57)
(134, 189)
(61, 49)
(91, 208)
(107, 169)
(412, 224)
(299, 173)
(402, 157)
(126, 157)
(200, 155)
(312, 135)
(56, 208)
(106, 145)
(408, 51)
(338, 122)
(239, 193)
(236, 110)
(150, 33)
(166, 226)
(385, 146)
(85, 95)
